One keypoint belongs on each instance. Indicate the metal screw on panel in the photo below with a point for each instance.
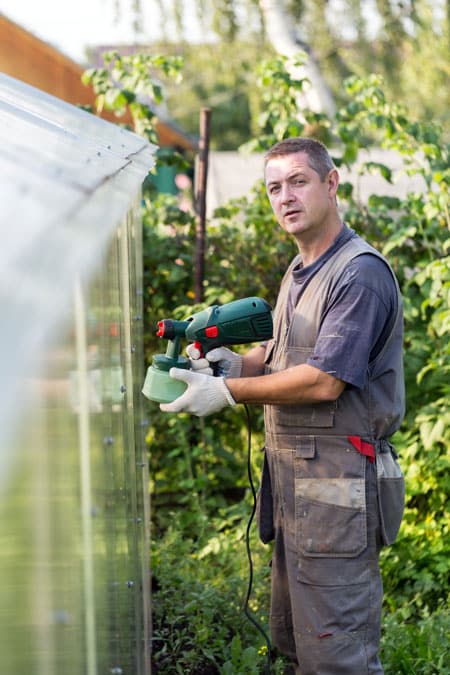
(116, 671)
(133, 349)
(144, 423)
(61, 616)
(138, 521)
(130, 584)
(137, 317)
(108, 440)
(123, 388)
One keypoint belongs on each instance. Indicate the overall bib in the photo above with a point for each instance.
(331, 492)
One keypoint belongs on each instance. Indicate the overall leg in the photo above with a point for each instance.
(336, 605)
(281, 626)
(326, 611)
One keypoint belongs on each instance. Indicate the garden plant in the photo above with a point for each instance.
(201, 500)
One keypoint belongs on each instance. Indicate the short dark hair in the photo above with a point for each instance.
(318, 156)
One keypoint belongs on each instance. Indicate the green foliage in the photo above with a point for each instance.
(420, 647)
(201, 582)
(244, 248)
(197, 466)
(279, 116)
(412, 231)
(205, 459)
(199, 588)
(279, 89)
(133, 84)
(427, 43)
(404, 42)
(218, 77)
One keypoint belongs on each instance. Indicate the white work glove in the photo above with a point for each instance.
(198, 363)
(204, 395)
(230, 363)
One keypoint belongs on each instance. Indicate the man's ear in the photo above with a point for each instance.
(332, 182)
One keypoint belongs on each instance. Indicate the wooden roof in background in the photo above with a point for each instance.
(35, 62)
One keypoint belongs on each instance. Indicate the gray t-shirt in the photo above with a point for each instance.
(361, 311)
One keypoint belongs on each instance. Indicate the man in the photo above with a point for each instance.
(331, 381)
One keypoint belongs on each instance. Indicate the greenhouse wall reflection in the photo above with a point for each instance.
(74, 510)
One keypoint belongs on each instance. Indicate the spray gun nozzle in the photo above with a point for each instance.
(170, 329)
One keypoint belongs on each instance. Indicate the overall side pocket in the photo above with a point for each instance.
(391, 493)
(264, 505)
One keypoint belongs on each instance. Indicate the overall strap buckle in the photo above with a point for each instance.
(364, 448)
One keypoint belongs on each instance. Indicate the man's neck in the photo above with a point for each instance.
(312, 249)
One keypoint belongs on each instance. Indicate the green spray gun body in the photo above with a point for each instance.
(239, 322)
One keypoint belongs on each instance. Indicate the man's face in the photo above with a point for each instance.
(302, 203)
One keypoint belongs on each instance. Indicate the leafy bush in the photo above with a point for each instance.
(248, 254)
(413, 233)
(420, 647)
(201, 582)
(198, 466)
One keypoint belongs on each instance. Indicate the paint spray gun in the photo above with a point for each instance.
(236, 323)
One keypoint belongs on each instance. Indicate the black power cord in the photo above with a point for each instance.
(247, 543)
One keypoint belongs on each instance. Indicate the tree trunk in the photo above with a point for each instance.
(281, 34)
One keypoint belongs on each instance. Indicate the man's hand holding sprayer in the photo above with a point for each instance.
(205, 393)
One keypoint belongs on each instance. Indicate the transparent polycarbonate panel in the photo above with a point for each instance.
(74, 511)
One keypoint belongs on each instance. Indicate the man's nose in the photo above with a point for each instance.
(287, 195)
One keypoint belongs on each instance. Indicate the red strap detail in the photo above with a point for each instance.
(212, 331)
(362, 447)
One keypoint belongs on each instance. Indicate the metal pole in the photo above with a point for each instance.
(201, 177)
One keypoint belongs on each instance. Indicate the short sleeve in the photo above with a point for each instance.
(356, 321)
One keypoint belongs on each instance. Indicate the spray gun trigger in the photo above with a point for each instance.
(198, 346)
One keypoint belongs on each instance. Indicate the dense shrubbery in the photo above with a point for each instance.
(199, 484)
